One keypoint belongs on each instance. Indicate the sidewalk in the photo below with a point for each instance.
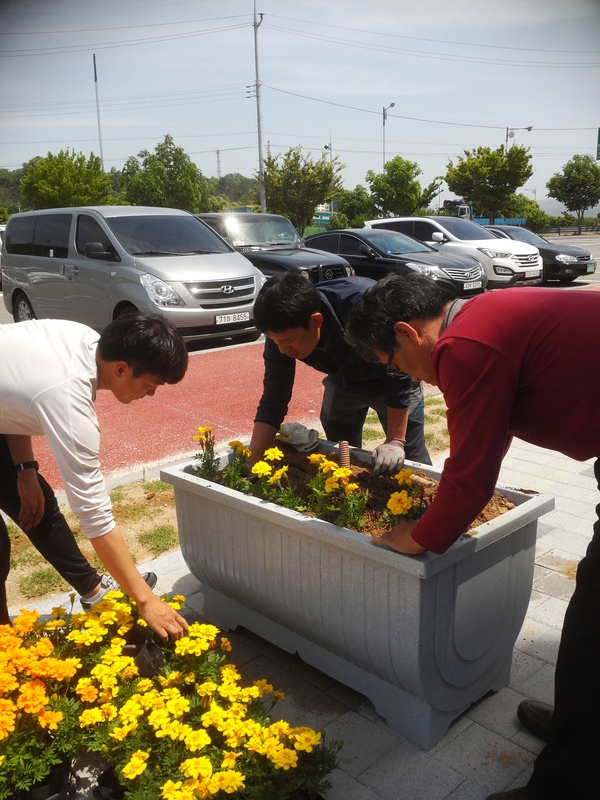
(486, 750)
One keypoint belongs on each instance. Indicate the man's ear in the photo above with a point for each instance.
(317, 318)
(405, 330)
(119, 368)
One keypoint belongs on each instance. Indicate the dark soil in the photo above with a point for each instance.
(380, 488)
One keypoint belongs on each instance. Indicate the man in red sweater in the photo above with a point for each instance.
(525, 363)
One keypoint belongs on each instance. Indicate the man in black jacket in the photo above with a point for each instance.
(306, 322)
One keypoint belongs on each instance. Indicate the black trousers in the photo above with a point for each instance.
(343, 414)
(568, 766)
(52, 537)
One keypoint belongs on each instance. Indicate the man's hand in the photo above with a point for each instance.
(400, 538)
(388, 457)
(163, 619)
(32, 499)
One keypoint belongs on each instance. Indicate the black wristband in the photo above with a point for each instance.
(26, 465)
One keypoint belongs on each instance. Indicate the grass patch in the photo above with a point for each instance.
(134, 511)
(42, 581)
(159, 539)
(26, 556)
(372, 433)
(436, 441)
(158, 486)
(117, 495)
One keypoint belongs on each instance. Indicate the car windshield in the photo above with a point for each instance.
(463, 229)
(250, 231)
(523, 235)
(164, 235)
(393, 243)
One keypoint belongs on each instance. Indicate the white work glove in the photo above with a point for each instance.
(299, 436)
(388, 458)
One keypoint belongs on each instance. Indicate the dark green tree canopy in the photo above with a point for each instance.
(577, 186)
(487, 178)
(396, 191)
(297, 185)
(237, 189)
(355, 206)
(66, 179)
(166, 178)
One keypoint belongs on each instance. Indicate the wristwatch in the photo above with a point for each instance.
(26, 465)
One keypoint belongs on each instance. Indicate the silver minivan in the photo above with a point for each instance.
(91, 264)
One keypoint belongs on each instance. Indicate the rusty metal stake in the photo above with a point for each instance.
(344, 454)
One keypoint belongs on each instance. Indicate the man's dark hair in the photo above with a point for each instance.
(149, 343)
(395, 298)
(285, 302)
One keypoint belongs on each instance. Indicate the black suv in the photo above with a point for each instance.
(562, 262)
(272, 244)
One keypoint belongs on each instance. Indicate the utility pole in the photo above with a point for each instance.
(98, 113)
(261, 163)
(218, 164)
(384, 115)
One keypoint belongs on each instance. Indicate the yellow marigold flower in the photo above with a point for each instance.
(120, 733)
(57, 612)
(196, 740)
(280, 728)
(229, 673)
(179, 598)
(206, 689)
(171, 790)
(328, 466)
(108, 711)
(49, 719)
(229, 760)
(178, 706)
(262, 469)
(8, 714)
(263, 686)
(196, 767)
(136, 765)
(349, 488)
(172, 679)
(235, 444)
(404, 476)
(158, 718)
(331, 484)
(91, 716)
(23, 623)
(273, 454)
(283, 759)
(229, 782)
(279, 695)
(225, 644)
(144, 685)
(32, 696)
(8, 682)
(86, 690)
(305, 738)
(278, 475)
(343, 474)
(316, 458)
(399, 503)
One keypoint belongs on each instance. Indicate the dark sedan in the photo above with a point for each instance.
(375, 252)
(272, 244)
(562, 262)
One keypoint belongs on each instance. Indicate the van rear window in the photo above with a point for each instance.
(39, 235)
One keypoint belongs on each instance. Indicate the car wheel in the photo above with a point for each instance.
(126, 308)
(22, 309)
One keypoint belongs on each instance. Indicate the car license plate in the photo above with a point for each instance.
(225, 319)
(532, 273)
(591, 267)
(472, 285)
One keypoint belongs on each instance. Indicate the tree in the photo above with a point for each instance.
(66, 179)
(298, 185)
(395, 191)
(487, 178)
(166, 178)
(578, 186)
(429, 193)
(356, 205)
(10, 194)
(519, 206)
(237, 189)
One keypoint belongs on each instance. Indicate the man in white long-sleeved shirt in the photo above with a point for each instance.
(50, 371)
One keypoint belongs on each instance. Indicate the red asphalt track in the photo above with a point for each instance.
(221, 388)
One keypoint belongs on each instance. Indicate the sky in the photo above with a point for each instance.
(460, 73)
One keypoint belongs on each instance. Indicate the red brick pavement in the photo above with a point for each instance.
(221, 388)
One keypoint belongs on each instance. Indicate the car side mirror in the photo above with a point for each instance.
(438, 236)
(96, 250)
(367, 251)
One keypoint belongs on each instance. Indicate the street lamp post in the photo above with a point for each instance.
(510, 132)
(385, 110)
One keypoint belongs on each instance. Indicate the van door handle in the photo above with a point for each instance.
(75, 270)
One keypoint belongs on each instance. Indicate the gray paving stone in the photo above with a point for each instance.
(498, 713)
(551, 612)
(540, 686)
(539, 640)
(364, 742)
(559, 561)
(557, 585)
(523, 668)
(558, 539)
(344, 787)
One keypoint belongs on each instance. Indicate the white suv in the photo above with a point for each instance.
(506, 262)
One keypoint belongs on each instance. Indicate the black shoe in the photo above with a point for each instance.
(514, 794)
(537, 718)
(109, 584)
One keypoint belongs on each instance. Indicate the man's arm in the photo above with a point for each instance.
(28, 486)
(115, 556)
(262, 438)
(389, 456)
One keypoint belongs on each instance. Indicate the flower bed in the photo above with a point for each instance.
(422, 636)
(174, 721)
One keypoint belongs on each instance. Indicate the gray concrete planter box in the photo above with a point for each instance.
(423, 637)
